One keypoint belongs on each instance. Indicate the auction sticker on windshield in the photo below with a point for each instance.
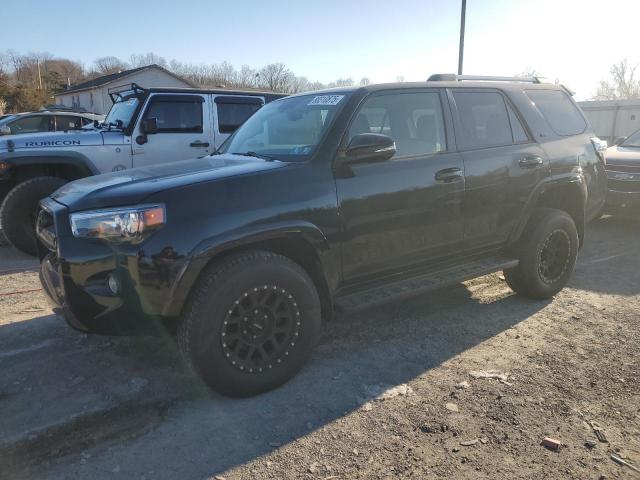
(326, 100)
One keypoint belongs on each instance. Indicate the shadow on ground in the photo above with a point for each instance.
(52, 373)
(610, 260)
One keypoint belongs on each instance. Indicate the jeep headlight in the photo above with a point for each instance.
(127, 224)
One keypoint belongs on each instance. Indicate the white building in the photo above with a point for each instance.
(613, 118)
(93, 95)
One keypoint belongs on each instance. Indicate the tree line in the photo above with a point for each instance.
(28, 81)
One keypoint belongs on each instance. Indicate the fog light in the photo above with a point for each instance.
(113, 284)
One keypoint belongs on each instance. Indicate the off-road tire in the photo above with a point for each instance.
(546, 228)
(18, 209)
(215, 296)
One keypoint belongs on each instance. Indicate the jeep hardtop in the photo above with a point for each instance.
(333, 200)
(143, 127)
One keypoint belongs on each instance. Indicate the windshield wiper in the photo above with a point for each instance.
(255, 155)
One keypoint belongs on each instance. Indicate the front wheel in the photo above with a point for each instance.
(18, 211)
(251, 323)
(547, 254)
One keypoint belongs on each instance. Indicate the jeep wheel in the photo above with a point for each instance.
(18, 211)
(547, 255)
(251, 323)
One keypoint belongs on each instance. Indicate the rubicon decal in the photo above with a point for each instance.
(52, 143)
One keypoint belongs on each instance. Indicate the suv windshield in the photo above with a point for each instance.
(122, 110)
(632, 141)
(289, 129)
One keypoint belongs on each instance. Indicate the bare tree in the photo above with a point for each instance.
(137, 60)
(107, 65)
(276, 77)
(622, 83)
(400, 78)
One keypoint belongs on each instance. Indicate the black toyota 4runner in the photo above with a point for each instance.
(338, 199)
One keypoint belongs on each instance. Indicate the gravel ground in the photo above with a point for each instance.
(76, 406)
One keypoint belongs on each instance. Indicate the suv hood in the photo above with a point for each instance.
(71, 138)
(623, 156)
(129, 187)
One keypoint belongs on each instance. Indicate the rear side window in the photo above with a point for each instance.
(519, 133)
(233, 112)
(176, 115)
(561, 113)
(484, 119)
(65, 122)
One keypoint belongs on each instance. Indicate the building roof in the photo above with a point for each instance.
(105, 79)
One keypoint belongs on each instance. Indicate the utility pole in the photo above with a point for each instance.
(39, 76)
(461, 50)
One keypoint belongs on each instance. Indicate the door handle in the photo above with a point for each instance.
(448, 175)
(531, 161)
(198, 143)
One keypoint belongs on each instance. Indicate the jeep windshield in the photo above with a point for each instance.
(289, 129)
(122, 111)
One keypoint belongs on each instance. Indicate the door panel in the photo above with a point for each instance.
(184, 130)
(396, 214)
(502, 165)
(498, 184)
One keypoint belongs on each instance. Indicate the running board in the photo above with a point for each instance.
(423, 283)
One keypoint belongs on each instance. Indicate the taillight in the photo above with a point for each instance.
(601, 147)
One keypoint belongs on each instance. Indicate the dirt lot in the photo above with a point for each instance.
(77, 406)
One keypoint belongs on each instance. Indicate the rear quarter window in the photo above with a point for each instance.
(561, 113)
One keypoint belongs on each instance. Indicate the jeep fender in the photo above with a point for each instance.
(77, 160)
(215, 247)
(573, 182)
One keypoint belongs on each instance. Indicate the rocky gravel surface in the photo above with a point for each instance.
(464, 383)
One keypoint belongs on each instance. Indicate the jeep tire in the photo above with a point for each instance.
(547, 252)
(251, 323)
(18, 211)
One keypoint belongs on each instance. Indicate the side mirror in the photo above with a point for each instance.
(370, 147)
(5, 130)
(149, 126)
(619, 140)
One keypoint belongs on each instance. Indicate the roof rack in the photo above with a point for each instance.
(452, 77)
(119, 89)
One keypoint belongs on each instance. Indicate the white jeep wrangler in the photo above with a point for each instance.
(143, 127)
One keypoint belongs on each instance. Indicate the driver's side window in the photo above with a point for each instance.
(414, 120)
(177, 115)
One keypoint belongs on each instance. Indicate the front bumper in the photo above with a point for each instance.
(74, 273)
(623, 197)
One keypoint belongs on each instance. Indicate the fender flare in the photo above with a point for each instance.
(213, 247)
(76, 159)
(573, 180)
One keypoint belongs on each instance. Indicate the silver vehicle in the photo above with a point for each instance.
(46, 121)
(143, 127)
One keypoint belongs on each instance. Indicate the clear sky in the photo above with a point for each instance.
(575, 41)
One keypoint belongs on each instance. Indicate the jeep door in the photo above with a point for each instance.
(184, 129)
(502, 165)
(405, 211)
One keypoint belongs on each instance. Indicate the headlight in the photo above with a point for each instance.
(127, 224)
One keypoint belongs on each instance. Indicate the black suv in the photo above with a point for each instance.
(339, 199)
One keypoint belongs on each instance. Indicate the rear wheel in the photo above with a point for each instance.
(547, 254)
(251, 323)
(18, 211)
